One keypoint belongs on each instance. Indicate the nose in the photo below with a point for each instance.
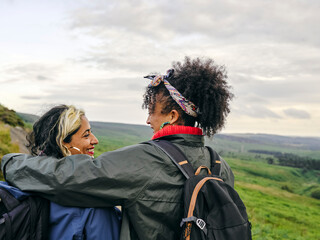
(94, 140)
(148, 120)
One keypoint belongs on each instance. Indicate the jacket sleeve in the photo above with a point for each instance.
(226, 173)
(114, 178)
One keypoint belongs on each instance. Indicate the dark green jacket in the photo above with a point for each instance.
(140, 178)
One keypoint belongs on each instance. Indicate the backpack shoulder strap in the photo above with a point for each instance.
(215, 162)
(176, 155)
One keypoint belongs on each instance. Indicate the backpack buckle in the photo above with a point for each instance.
(200, 223)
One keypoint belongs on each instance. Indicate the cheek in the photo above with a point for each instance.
(84, 144)
(151, 119)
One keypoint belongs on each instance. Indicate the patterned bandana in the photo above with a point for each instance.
(185, 104)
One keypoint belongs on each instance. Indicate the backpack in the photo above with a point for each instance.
(212, 208)
(23, 219)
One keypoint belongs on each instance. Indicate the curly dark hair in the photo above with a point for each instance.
(45, 130)
(202, 82)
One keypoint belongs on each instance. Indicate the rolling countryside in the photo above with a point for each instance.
(277, 177)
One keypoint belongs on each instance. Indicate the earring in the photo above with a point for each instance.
(164, 124)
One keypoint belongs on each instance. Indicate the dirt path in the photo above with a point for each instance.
(18, 136)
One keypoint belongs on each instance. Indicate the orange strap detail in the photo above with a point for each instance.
(195, 193)
(187, 231)
(183, 162)
(193, 201)
(202, 167)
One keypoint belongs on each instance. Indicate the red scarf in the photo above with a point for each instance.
(178, 129)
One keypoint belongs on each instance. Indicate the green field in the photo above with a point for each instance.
(278, 199)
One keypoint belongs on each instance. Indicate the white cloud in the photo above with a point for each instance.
(95, 53)
(297, 113)
(256, 111)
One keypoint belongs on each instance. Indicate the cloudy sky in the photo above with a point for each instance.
(93, 54)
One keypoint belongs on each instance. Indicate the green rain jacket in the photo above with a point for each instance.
(141, 178)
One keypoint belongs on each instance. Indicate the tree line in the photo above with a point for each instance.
(291, 160)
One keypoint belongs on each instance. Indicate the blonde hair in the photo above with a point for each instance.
(69, 123)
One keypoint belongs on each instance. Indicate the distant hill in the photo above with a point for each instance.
(115, 135)
(224, 143)
(307, 143)
(246, 142)
(135, 131)
(28, 118)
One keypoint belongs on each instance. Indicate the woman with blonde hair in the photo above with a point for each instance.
(65, 131)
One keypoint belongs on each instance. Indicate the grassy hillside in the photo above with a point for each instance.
(5, 143)
(10, 117)
(278, 199)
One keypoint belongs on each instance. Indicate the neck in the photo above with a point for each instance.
(178, 129)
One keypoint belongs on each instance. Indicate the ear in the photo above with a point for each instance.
(174, 117)
(67, 145)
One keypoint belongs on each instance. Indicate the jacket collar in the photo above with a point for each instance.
(174, 130)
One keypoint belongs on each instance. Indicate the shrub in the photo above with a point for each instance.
(270, 160)
(287, 188)
(316, 194)
(10, 117)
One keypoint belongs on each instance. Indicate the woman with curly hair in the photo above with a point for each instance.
(193, 93)
(191, 100)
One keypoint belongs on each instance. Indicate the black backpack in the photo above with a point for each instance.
(212, 208)
(26, 219)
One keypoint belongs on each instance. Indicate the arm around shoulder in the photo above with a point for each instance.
(6, 158)
(28, 173)
(113, 178)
